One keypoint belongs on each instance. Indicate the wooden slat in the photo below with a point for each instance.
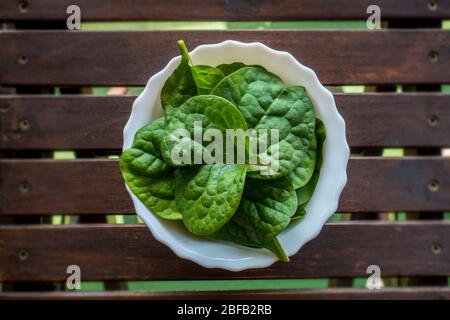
(96, 186)
(128, 58)
(55, 122)
(373, 120)
(411, 293)
(234, 10)
(124, 252)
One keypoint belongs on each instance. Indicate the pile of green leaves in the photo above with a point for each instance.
(228, 201)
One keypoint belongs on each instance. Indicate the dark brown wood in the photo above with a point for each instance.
(234, 10)
(412, 293)
(405, 58)
(96, 186)
(415, 24)
(127, 252)
(129, 58)
(88, 122)
(25, 286)
(430, 281)
(385, 119)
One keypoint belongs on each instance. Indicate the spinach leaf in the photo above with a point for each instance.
(306, 192)
(145, 157)
(180, 86)
(156, 193)
(266, 103)
(299, 214)
(145, 164)
(252, 90)
(303, 172)
(146, 173)
(212, 111)
(208, 195)
(206, 78)
(276, 248)
(229, 68)
(265, 210)
(187, 81)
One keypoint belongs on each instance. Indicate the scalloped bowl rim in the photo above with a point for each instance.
(333, 177)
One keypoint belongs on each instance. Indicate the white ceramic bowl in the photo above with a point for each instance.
(324, 202)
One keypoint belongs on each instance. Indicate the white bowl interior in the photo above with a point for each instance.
(227, 255)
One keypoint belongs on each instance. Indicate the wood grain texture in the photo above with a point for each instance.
(96, 186)
(232, 10)
(128, 58)
(412, 293)
(373, 120)
(128, 252)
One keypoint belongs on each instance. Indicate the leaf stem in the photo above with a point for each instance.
(184, 51)
(280, 252)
